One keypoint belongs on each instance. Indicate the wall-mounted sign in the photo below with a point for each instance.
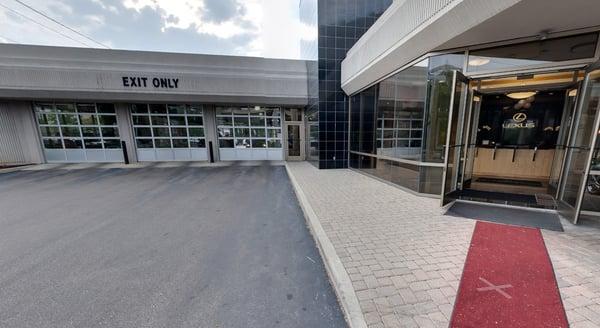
(519, 117)
(145, 82)
(519, 121)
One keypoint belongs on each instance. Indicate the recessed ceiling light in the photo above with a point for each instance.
(478, 61)
(521, 95)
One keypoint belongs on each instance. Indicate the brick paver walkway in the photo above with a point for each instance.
(405, 258)
(575, 255)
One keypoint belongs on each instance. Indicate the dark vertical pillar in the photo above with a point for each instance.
(340, 24)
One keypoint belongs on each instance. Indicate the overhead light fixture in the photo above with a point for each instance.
(573, 93)
(478, 61)
(521, 95)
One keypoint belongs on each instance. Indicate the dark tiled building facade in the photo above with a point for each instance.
(340, 24)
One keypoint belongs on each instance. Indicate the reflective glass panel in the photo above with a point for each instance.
(68, 119)
(195, 120)
(112, 143)
(176, 120)
(226, 143)
(533, 53)
(70, 131)
(50, 131)
(162, 143)
(106, 108)
(90, 131)
(107, 119)
(180, 143)
(141, 120)
(160, 120)
(92, 143)
(144, 143)
(53, 144)
(73, 143)
(110, 132)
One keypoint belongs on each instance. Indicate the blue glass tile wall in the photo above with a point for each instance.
(340, 24)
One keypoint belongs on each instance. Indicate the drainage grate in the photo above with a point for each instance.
(546, 201)
(511, 182)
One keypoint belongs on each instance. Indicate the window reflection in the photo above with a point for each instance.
(400, 108)
(405, 117)
(533, 53)
(77, 126)
(166, 126)
(249, 127)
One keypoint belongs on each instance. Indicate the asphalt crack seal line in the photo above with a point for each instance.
(342, 285)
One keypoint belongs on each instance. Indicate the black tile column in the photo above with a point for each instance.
(340, 24)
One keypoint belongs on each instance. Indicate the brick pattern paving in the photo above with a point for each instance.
(575, 255)
(404, 258)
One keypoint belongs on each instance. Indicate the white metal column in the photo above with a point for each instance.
(126, 130)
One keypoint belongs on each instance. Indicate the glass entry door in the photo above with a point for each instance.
(455, 148)
(591, 195)
(470, 138)
(580, 152)
(294, 141)
(558, 162)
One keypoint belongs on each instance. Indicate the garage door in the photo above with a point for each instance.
(249, 133)
(169, 132)
(81, 132)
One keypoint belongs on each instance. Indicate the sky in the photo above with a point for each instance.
(264, 28)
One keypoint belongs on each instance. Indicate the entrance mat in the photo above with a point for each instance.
(513, 216)
(498, 196)
(508, 281)
(511, 182)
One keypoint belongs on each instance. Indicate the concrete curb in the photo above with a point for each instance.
(340, 280)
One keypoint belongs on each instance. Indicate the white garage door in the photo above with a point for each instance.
(169, 132)
(249, 133)
(79, 132)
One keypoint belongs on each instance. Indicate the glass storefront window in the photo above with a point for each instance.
(363, 121)
(533, 53)
(400, 108)
(405, 117)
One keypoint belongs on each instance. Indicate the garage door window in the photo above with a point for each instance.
(169, 131)
(249, 132)
(79, 132)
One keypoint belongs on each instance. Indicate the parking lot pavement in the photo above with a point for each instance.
(158, 247)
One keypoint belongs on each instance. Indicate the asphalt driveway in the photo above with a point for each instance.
(159, 247)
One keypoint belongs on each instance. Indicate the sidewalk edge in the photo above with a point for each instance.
(342, 285)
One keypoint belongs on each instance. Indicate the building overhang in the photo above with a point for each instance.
(410, 29)
(47, 73)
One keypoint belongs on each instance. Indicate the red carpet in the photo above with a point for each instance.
(508, 281)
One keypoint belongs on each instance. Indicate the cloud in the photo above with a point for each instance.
(234, 27)
(218, 11)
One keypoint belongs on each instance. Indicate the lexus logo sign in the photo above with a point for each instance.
(519, 121)
(519, 117)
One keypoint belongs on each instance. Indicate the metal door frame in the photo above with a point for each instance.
(458, 77)
(596, 125)
(301, 127)
(468, 135)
